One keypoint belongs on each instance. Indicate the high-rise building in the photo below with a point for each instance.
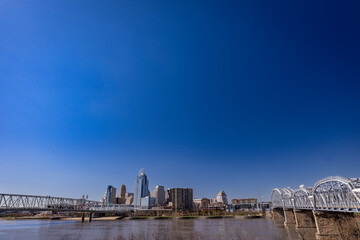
(222, 198)
(182, 199)
(168, 195)
(110, 195)
(121, 197)
(141, 188)
(159, 195)
(122, 191)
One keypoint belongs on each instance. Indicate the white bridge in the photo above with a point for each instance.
(17, 202)
(330, 194)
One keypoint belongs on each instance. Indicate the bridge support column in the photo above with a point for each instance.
(304, 219)
(83, 217)
(91, 217)
(289, 217)
(336, 225)
(278, 214)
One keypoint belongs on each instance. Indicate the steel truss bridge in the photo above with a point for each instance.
(329, 194)
(16, 202)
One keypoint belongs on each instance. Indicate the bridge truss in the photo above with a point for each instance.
(329, 194)
(16, 202)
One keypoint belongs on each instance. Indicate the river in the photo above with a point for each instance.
(199, 228)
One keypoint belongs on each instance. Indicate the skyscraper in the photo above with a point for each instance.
(121, 199)
(122, 191)
(110, 195)
(182, 199)
(141, 188)
(168, 195)
(221, 197)
(159, 195)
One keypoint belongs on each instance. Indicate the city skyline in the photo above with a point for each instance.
(237, 97)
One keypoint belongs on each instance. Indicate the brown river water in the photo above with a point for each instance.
(199, 228)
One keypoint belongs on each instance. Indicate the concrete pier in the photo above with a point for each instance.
(336, 225)
(304, 219)
(289, 217)
(278, 214)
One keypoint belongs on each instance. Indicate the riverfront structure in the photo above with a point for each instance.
(329, 206)
(110, 195)
(222, 198)
(122, 191)
(142, 195)
(168, 196)
(202, 203)
(244, 201)
(159, 195)
(121, 197)
(182, 199)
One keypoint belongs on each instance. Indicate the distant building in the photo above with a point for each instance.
(159, 195)
(120, 200)
(222, 198)
(202, 203)
(243, 204)
(129, 200)
(121, 197)
(129, 195)
(110, 195)
(147, 202)
(244, 201)
(168, 196)
(212, 200)
(141, 188)
(182, 199)
(122, 191)
(197, 203)
(217, 205)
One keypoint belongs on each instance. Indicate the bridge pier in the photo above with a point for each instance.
(289, 217)
(304, 219)
(278, 214)
(91, 217)
(336, 225)
(83, 217)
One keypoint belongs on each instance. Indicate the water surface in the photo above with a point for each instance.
(199, 228)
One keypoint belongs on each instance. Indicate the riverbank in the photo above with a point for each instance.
(115, 218)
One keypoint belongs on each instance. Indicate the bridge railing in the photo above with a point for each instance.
(329, 194)
(19, 202)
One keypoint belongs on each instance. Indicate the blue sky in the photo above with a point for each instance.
(240, 96)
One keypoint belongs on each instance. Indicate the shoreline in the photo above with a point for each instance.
(78, 219)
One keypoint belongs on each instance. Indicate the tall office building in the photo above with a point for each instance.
(182, 199)
(221, 197)
(159, 195)
(168, 195)
(122, 191)
(110, 195)
(141, 188)
(121, 199)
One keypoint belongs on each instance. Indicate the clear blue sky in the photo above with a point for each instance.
(240, 96)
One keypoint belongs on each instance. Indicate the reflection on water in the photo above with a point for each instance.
(150, 229)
